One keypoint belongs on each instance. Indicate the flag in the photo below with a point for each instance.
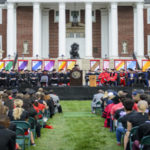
(8, 65)
(22, 65)
(134, 57)
(15, 61)
(49, 65)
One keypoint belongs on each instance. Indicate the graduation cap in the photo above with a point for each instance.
(130, 69)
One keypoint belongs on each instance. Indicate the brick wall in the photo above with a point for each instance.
(24, 29)
(97, 35)
(125, 29)
(3, 31)
(146, 32)
(53, 36)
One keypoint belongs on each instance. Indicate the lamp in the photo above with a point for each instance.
(62, 56)
(9, 56)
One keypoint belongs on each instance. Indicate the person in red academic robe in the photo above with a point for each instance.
(103, 77)
(122, 76)
(112, 79)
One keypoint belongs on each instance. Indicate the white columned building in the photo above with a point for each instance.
(62, 30)
(36, 30)
(109, 46)
(11, 29)
(88, 30)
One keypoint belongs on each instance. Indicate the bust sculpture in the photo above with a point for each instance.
(74, 51)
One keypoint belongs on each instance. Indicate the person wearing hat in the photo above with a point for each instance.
(34, 78)
(54, 77)
(44, 79)
(112, 79)
(103, 77)
(13, 78)
(3, 78)
(131, 77)
(122, 76)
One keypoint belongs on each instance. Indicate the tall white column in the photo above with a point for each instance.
(36, 30)
(11, 29)
(62, 29)
(104, 30)
(88, 30)
(45, 34)
(140, 30)
(135, 30)
(114, 30)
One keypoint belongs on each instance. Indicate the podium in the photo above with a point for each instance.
(92, 80)
(76, 78)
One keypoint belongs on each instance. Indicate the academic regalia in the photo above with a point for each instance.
(122, 76)
(34, 79)
(103, 77)
(3, 79)
(13, 78)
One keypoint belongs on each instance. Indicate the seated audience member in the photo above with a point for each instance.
(122, 76)
(142, 131)
(7, 137)
(44, 79)
(135, 120)
(56, 100)
(131, 77)
(50, 104)
(112, 79)
(103, 77)
(123, 115)
(19, 114)
(96, 99)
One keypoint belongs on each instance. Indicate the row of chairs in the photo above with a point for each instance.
(24, 140)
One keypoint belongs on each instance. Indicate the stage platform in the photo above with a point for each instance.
(82, 92)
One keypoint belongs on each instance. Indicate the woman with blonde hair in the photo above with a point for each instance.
(19, 114)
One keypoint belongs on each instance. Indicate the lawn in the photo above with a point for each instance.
(76, 129)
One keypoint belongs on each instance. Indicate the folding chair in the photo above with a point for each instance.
(145, 141)
(20, 138)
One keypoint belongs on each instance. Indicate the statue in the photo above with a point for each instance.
(74, 51)
(124, 47)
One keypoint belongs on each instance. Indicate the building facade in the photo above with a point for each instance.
(102, 28)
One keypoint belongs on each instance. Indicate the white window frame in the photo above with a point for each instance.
(148, 15)
(71, 18)
(1, 15)
(93, 15)
(148, 45)
(56, 18)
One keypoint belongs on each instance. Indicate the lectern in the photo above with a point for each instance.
(76, 78)
(92, 80)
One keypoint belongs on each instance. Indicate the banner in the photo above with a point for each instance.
(131, 64)
(8, 65)
(36, 64)
(49, 65)
(145, 64)
(70, 64)
(22, 64)
(119, 64)
(94, 65)
(105, 64)
(2, 65)
(62, 64)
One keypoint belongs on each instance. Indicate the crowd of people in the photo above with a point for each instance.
(39, 78)
(127, 115)
(15, 106)
(111, 77)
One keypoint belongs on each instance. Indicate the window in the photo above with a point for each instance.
(148, 15)
(74, 16)
(148, 45)
(93, 16)
(56, 16)
(0, 15)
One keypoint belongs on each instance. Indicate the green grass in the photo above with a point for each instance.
(76, 129)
